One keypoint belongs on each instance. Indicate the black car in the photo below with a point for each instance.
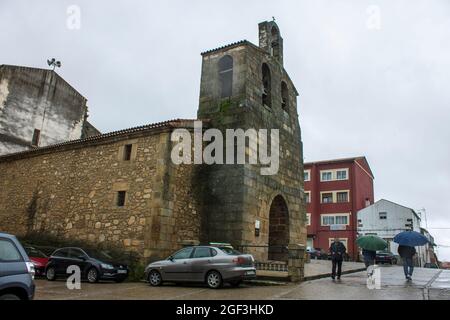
(383, 257)
(16, 270)
(95, 265)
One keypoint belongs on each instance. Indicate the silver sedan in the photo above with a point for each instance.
(203, 264)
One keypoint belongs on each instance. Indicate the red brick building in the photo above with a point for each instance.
(335, 190)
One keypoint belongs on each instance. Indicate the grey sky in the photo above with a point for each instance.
(379, 93)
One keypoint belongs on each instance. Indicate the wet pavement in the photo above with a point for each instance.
(427, 284)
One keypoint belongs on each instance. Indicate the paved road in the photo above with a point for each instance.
(427, 284)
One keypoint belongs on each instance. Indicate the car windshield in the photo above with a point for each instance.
(230, 251)
(99, 254)
(35, 253)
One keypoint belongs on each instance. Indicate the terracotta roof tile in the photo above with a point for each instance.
(149, 127)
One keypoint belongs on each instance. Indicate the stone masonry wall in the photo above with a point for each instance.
(72, 194)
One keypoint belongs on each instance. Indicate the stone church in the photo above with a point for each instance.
(122, 189)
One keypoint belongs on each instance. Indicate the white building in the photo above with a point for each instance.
(386, 219)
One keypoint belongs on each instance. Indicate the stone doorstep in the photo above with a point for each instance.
(268, 282)
(272, 276)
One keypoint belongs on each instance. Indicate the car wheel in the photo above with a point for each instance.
(214, 280)
(92, 275)
(50, 274)
(9, 297)
(154, 278)
(235, 284)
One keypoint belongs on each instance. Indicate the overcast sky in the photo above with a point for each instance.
(366, 88)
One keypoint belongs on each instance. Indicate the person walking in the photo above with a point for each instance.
(337, 251)
(407, 253)
(369, 257)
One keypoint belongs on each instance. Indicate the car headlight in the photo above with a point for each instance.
(107, 266)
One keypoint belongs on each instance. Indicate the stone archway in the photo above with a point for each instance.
(278, 229)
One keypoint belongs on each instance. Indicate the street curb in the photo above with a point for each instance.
(328, 275)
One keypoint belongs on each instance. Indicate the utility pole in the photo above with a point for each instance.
(424, 212)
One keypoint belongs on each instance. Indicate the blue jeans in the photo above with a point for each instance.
(408, 266)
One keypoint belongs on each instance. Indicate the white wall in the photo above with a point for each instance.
(396, 221)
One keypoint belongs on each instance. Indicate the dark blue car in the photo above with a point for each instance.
(16, 270)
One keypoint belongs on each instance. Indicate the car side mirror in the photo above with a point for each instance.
(82, 258)
(170, 258)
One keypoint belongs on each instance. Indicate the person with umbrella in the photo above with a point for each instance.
(407, 241)
(337, 250)
(407, 254)
(369, 257)
(370, 244)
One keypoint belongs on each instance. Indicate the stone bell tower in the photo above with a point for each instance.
(244, 86)
(270, 40)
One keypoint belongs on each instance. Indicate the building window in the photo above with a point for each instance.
(327, 197)
(127, 152)
(267, 86)
(341, 175)
(307, 196)
(342, 220)
(308, 219)
(335, 219)
(327, 220)
(226, 76)
(383, 215)
(342, 196)
(334, 175)
(326, 176)
(121, 196)
(284, 96)
(307, 175)
(36, 137)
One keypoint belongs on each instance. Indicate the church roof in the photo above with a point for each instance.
(104, 138)
(228, 46)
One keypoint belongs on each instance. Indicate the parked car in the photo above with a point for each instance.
(16, 270)
(383, 257)
(38, 258)
(316, 253)
(95, 265)
(203, 264)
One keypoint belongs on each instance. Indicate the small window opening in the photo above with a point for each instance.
(121, 195)
(36, 137)
(127, 152)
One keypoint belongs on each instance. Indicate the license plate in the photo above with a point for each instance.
(250, 273)
(122, 271)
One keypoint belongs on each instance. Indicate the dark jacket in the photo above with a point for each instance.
(369, 254)
(337, 250)
(406, 252)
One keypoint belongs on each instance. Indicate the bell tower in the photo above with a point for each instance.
(244, 86)
(270, 40)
